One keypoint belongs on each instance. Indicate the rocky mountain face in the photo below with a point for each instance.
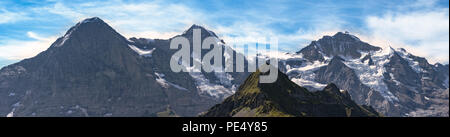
(285, 98)
(393, 81)
(94, 71)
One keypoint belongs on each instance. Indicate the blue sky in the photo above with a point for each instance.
(28, 27)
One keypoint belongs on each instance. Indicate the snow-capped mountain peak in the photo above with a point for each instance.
(388, 79)
(340, 44)
(93, 19)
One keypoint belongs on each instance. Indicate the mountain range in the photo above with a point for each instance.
(393, 81)
(94, 71)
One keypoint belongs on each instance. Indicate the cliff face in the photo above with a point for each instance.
(392, 81)
(94, 71)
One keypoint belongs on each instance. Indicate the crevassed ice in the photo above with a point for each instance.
(204, 85)
(306, 83)
(306, 75)
(224, 78)
(372, 76)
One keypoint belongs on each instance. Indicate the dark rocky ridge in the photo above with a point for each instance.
(342, 44)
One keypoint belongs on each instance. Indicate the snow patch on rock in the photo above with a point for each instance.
(413, 64)
(145, 53)
(11, 114)
(166, 84)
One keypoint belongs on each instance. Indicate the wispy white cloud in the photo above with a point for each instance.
(250, 30)
(18, 49)
(421, 4)
(424, 32)
(146, 19)
(11, 17)
(416, 30)
(149, 20)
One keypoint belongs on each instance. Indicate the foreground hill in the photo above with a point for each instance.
(285, 98)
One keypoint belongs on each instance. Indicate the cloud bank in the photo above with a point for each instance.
(419, 26)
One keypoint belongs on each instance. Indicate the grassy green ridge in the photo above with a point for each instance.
(284, 98)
